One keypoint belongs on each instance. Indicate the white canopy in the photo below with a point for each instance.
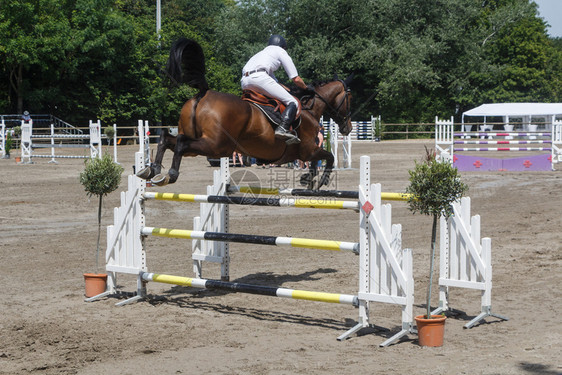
(516, 110)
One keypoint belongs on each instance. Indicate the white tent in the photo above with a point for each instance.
(547, 112)
(516, 110)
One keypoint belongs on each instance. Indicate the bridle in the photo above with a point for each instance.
(332, 111)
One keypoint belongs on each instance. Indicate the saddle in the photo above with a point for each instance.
(271, 108)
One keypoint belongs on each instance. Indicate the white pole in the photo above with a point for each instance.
(115, 143)
(3, 138)
(158, 18)
(25, 144)
(53, 145)
(333, 129)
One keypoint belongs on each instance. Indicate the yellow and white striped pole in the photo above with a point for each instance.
(318, 202)
(346, 299)
(249, 238)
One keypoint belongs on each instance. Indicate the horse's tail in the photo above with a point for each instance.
(186, 64)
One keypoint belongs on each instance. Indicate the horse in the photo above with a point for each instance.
(214, 124)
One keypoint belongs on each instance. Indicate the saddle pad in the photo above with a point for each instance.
(271, 108)
(274, 117)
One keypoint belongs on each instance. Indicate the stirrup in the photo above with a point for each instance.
(289, 137)
(293, 140)
(281, 131)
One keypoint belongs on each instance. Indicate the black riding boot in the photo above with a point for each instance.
(287, 119)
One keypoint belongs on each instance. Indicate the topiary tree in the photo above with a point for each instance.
(434, 186)
(100, 177)
(8, 144)
(109, 133)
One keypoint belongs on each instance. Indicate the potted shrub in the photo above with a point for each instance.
(109, 132)
(434, 186)
(100, 177)
(8, 145)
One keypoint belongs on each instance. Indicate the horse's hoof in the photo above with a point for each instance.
(144, 173)
(172, 175)
(305, 179)
(160, 180)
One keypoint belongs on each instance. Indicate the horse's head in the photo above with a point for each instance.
(337, 97)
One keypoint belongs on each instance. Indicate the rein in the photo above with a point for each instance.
(333, 112)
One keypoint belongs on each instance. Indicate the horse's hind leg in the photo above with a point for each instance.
(182, 145)
(186, 146)
(165, 142)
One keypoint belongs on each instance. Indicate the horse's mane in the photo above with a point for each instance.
(305, 95)
(322, 83)
(298, 92)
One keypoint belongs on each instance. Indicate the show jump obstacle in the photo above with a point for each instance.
(385, 269)
(448, 144)
(30, 141)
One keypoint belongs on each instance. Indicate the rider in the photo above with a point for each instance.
(257, 75)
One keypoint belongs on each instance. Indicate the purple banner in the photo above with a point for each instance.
(468, 163)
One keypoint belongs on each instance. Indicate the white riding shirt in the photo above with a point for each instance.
(258, 73)
(271, 58)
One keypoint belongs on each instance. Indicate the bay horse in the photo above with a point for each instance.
(214, 124)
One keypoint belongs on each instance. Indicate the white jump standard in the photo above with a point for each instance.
(465, 260)
(27, 145)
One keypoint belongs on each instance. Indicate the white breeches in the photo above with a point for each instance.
(264, 84)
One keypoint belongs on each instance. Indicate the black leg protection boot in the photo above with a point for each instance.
(287, 118)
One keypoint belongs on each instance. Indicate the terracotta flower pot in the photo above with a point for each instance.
(18, 159)
(96, 283)
(431, 331)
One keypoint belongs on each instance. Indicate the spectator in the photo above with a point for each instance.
(237, 155)
(26, 117)
(320, 142)
(320, 136)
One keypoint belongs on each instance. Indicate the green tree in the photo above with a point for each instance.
(33, 41)
(84, 59)
(520, 60)
(434, 187)
(100, 177)
(113, 62)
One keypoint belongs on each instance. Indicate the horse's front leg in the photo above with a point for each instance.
(317, 155)
(325, 179)
(308, 178)
(165, 142)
